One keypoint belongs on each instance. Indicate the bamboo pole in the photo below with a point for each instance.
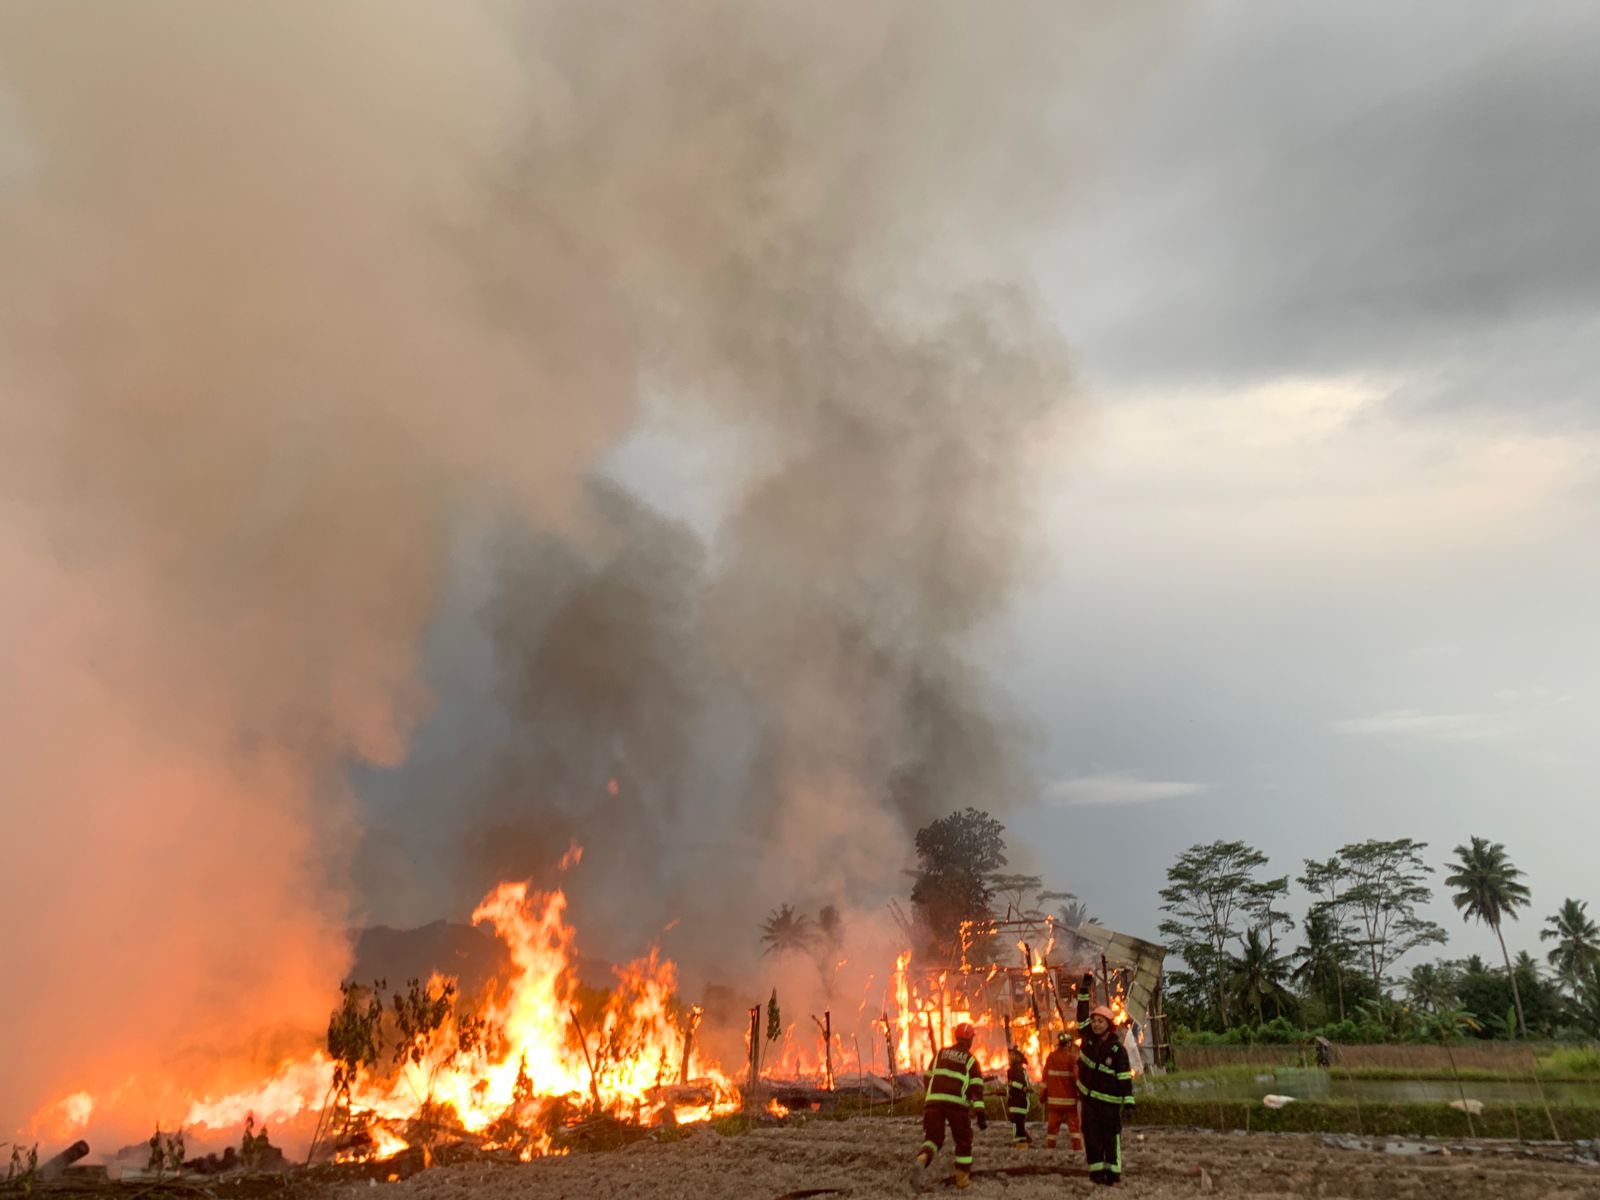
(1516, 1121)
(1472, 1130)
(1533, 1069)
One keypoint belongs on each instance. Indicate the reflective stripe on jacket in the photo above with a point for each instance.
(1103, 1070)
(1061, 1076)
(955, 1078)
(1018, 1094)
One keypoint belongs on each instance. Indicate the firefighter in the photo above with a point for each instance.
(955, 1097)
(1105, 1089)
(1061, 1092)
(1019, 1096)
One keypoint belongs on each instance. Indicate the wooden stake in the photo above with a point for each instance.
(693, 1024)
(894, 1064)
(583, 1038)
(825, 1027)
(755, 1055)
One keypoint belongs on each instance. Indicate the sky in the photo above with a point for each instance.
(1324, 549)
(1318, 554)
(734, 434)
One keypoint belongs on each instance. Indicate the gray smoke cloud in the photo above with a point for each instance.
(292, 294)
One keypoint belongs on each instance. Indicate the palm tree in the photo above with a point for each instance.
(1488, 889)
(1432, 988)
(1258, 976)
(1577, 940)
(786, 930)
(1321, 960)
(1073, 914)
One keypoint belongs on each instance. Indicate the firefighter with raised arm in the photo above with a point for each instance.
(1019, 1097)
(1105, 1089)
(955, 1098)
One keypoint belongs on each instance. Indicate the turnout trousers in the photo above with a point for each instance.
(1057, 1115)
(1102, 1139)
(939, 1113)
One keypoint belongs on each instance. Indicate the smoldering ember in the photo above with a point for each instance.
(759, 599)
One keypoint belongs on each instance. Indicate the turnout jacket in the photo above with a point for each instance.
(956, 1078)
(1061, 1077)
(1104, 1073)
(1019, 1095)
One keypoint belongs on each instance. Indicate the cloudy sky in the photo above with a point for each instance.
(1319, 560)
(1325, 546)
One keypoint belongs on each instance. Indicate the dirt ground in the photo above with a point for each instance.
(866, 1159)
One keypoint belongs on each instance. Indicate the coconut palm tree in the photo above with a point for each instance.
(786, 930)
(1258, 976)
(1073, 914)
(1321, 961)
(1488, 889)
(1577, 940)
(1431, 987)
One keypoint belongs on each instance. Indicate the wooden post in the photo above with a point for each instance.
(594, 1083)
(695, 1014)
(825, 1027)
(893, 1059)
(755, 1055)
(933, 1049)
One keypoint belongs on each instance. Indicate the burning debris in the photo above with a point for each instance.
(538, 1063)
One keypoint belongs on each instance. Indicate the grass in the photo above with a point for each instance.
(1570, 1062)
(1574, 1065)
(1392, 1120)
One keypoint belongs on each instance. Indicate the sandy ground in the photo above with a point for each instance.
(866, 1159)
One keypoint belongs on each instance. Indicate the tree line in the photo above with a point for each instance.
(960, 879)
(1228, 921)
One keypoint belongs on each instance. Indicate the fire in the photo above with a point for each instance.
(528, 1050)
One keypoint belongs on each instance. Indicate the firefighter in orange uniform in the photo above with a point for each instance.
(955, 1097)
(1061, 1092)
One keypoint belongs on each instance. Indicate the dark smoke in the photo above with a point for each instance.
(292, 294)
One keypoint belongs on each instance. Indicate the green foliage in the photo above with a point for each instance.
(253, 1146)
(354, 1036)
(1577, 950)
(1488, 992)
(1257, 979)
(1382, 1120)
(419, 1015)
(1210, 891)
(1570, 1062)
(1382, 890)
(1488, 888)
(23, 1170)
(166, 1152)
(956, 857)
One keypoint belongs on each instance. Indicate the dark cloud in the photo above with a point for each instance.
(1368, 187)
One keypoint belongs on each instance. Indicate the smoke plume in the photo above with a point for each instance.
(292, 295)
